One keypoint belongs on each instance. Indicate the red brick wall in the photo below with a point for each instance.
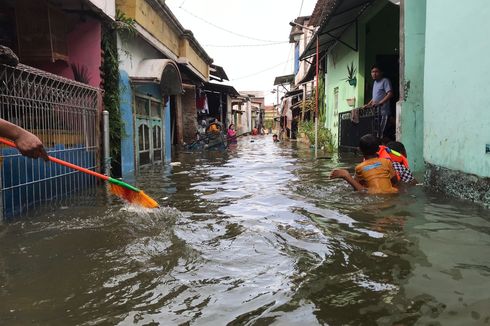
(189, 113)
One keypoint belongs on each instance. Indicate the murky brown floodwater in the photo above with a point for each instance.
(253, 236)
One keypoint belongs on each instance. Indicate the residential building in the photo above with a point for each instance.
(441, 125)
(443, 111)
(161, 69)
(54, 92)
(242, 114)
(354, 35)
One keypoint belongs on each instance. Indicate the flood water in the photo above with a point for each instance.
(256, 235)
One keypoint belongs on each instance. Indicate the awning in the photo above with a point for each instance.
(340, 17)
(217, 73)
(286, 79)
(162, 71)
(310, 75)
(293, 92)
(226, 89)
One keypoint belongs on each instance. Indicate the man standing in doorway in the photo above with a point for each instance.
(382, 94)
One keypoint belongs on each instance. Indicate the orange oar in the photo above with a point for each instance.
(119, 188)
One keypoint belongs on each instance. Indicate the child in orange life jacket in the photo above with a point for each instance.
(396, 153)
(376, 175)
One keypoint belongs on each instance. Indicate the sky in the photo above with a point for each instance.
(248, 38)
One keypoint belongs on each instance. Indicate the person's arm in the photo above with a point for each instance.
(369, 104)
(28, 144)
(389, 92)
(385, 99)
(344, 174)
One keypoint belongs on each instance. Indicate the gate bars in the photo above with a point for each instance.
(64, 114)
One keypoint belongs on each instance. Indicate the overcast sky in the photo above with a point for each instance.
(220, 25)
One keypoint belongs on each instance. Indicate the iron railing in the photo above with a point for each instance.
(64, 114)
(350, 132)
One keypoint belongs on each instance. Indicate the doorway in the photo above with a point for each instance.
(149, 136)
(382, 49)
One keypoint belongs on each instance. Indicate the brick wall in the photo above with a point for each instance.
(189, 113)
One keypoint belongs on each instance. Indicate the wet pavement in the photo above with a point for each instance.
(256, 235)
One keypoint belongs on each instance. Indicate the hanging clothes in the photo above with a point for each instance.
(202, 102)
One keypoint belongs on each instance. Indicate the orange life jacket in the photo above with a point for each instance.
(392, 155)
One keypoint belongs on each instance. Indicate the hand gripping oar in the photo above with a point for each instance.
(119, 188)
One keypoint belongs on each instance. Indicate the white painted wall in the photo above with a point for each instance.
(303, 65)
(134, 50)
(107, 6)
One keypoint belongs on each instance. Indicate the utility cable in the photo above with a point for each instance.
(226, 30)
(244, 45)
(259, 72)
(300, 8)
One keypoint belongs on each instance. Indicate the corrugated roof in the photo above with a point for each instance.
(286, 79)
(335, 18)
(226, 89)
(322, 9)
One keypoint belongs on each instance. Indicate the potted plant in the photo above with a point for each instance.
(351, 74)
(351, 101)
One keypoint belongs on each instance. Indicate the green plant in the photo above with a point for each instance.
(80, 73)
(124, 25)
(351, 74)
(269, 123)
(126, 28)
(324, 135)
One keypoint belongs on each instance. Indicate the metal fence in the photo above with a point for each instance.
(350, 132)
(64, 115)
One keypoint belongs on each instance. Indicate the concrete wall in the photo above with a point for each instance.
(456, 102)
(160, 28)
(338, 59)
(133, 51)
(128, 162)
(106, 6)
(410, 108)
(382, 30)
(84, 49)
(303, 65)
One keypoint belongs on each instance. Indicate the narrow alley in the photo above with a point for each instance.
(255, 235)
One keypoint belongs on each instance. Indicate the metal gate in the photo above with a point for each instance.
(64, 115)
(350, 132)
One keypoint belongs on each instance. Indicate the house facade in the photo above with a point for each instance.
(444, 111)
(440, 113)
(161, 66)
(55, 92)
(352, 37)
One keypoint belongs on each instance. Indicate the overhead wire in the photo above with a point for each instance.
(244, 45)
(225, 29)
(259, 72)
(300, 8)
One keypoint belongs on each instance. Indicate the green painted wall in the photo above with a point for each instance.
(379, 18)
(337, 61)
(456, 96)
(411, 115)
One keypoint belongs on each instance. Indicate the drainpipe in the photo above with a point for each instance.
(316, 102)
(107, 151)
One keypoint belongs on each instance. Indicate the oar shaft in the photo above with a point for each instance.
(79, 168)
(64, 163)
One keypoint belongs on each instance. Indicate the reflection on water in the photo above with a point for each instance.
(256, 235)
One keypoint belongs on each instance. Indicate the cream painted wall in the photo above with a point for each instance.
(149, 19)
